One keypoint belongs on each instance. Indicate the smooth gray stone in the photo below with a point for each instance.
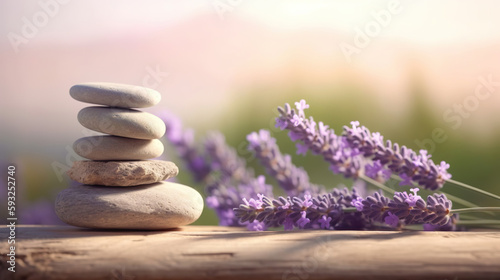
(115, 95)
(122, 173)
(157, 206)
(122, 122)
(108, 147)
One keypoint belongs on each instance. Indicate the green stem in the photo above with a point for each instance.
(349, 210)
(464, 202)
(396, 177)
(459, 200)
(376, 183)
(476, 209)
(478, 222)
(473, 188)
(469, 216)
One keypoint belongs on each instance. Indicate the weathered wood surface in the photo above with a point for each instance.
(198, 252)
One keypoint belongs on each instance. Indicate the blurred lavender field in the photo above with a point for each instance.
(423, 74)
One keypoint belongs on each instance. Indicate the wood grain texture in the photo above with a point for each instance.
(198, 252)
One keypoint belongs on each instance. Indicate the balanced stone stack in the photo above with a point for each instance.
(122, 187)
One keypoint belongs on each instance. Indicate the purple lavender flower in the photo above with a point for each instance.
(391, 219)
(303, 221)
(343, 152)
(438, 207)
(413, 198)
(405, 180)
(226, 160)
(224, 196)
(325, 222)
(320, 212)
(212, 202)
(410, 209)
(374, 207)
(358, 203)
(225, 174)
(377, 172)
(328, 206)
(288, 224)
(240, 199)
(451, 225)
(412, 167)
(301, 106)
(281, 123)
(294, 180)
(323, 141)
(301, 149)
(183, 141)
(296, 120)
(256, 226)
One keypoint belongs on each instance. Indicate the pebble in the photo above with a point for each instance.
(122, 173)
(122, 122)
(157, 206)
(117, 148)
(115, 95)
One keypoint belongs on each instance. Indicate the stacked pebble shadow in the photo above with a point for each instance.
(122, 187)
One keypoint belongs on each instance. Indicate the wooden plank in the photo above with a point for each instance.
(198, 252)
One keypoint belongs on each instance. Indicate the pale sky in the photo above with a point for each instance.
(421, 22)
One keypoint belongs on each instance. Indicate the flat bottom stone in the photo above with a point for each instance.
(158, 206)
(122, 173)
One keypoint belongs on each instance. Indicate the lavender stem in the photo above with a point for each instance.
(479, 222)
(476, 209)
(466, 186)
(376, 183)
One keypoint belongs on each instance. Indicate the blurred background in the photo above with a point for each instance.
(424, 74)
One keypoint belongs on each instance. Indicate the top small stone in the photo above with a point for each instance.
(115, 95)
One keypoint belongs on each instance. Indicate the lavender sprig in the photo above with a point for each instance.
(225, 174)
(235, 180)
(183, 141)
(406, 208)
(450, 226)
(355, 154)
(226, 160)
(410, 166)
(224, 196)
(324, 211)
(321, 141)
(294, 180)
(345, 153)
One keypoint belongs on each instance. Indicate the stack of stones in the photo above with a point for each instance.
(121, 187)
